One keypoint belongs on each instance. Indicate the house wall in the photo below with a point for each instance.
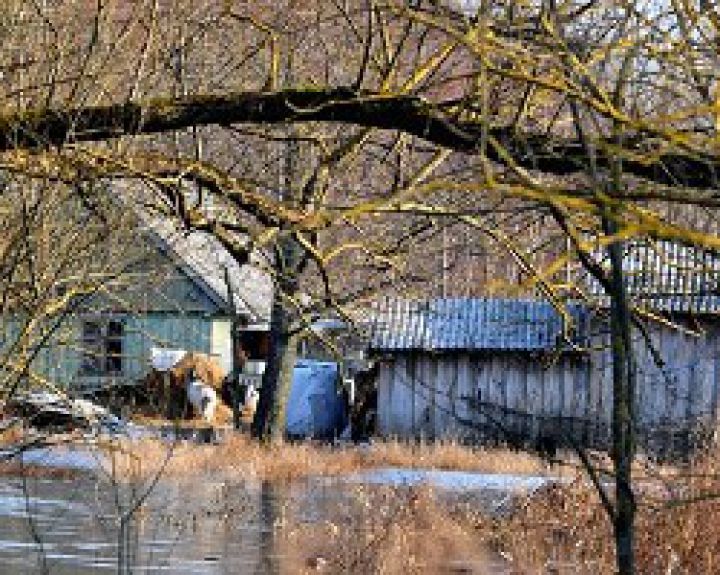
(159, 305)
(161, 300)
(525, 396)
(59, 360)
(221, 343)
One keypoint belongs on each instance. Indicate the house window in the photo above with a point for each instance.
(102, 347)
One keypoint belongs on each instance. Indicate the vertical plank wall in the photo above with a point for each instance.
(462, 394)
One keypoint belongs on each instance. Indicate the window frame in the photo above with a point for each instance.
(101, 352)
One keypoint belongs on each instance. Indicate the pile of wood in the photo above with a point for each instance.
(56, 412)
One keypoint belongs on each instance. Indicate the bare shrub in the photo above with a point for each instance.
(388, 530)
(678, 510)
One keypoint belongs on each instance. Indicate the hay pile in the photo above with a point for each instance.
(205, 368)
(166, 390)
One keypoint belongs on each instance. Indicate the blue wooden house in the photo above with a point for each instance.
(163, 288)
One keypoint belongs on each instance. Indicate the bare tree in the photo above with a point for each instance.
(318, 122)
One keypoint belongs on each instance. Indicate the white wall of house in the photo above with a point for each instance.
(221, 343)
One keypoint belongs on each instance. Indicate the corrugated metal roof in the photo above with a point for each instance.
(669, 276)
(470, 324)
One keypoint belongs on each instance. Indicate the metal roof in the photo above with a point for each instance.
(204, 259)
(201, 257)
(471, 325)
(668, 276)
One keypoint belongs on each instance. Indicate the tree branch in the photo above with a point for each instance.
(44, 128)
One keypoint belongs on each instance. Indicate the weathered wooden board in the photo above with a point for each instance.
(430, 395)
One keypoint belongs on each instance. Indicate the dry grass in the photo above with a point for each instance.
(14, 468)
(223, 417)
(565, 529)
(241, 456)
(390, 531)
(16, 435)
(560, 529)
(13, 434)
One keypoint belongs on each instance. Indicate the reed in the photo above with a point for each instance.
(393, 531)
(565, 527)
(239, 455)
(561, 528)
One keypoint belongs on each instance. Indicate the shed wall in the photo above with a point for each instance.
(523, 395)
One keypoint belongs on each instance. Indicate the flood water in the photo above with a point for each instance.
(75, 526)
(188, 526)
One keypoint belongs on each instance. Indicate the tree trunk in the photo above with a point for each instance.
(269, 422)
(238, 355)
(271, 415)
(623, 421)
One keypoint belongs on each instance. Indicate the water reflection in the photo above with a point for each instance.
(271, 505)
(186, 526)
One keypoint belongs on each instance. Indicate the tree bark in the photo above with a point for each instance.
(239, 359)
(43, 128)
(271, 414)
(238, 355)
(623, 416)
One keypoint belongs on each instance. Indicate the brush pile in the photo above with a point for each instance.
(56, 412)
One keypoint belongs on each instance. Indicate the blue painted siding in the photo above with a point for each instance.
(59, 360)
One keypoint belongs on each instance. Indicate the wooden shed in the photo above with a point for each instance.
(500, 368)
